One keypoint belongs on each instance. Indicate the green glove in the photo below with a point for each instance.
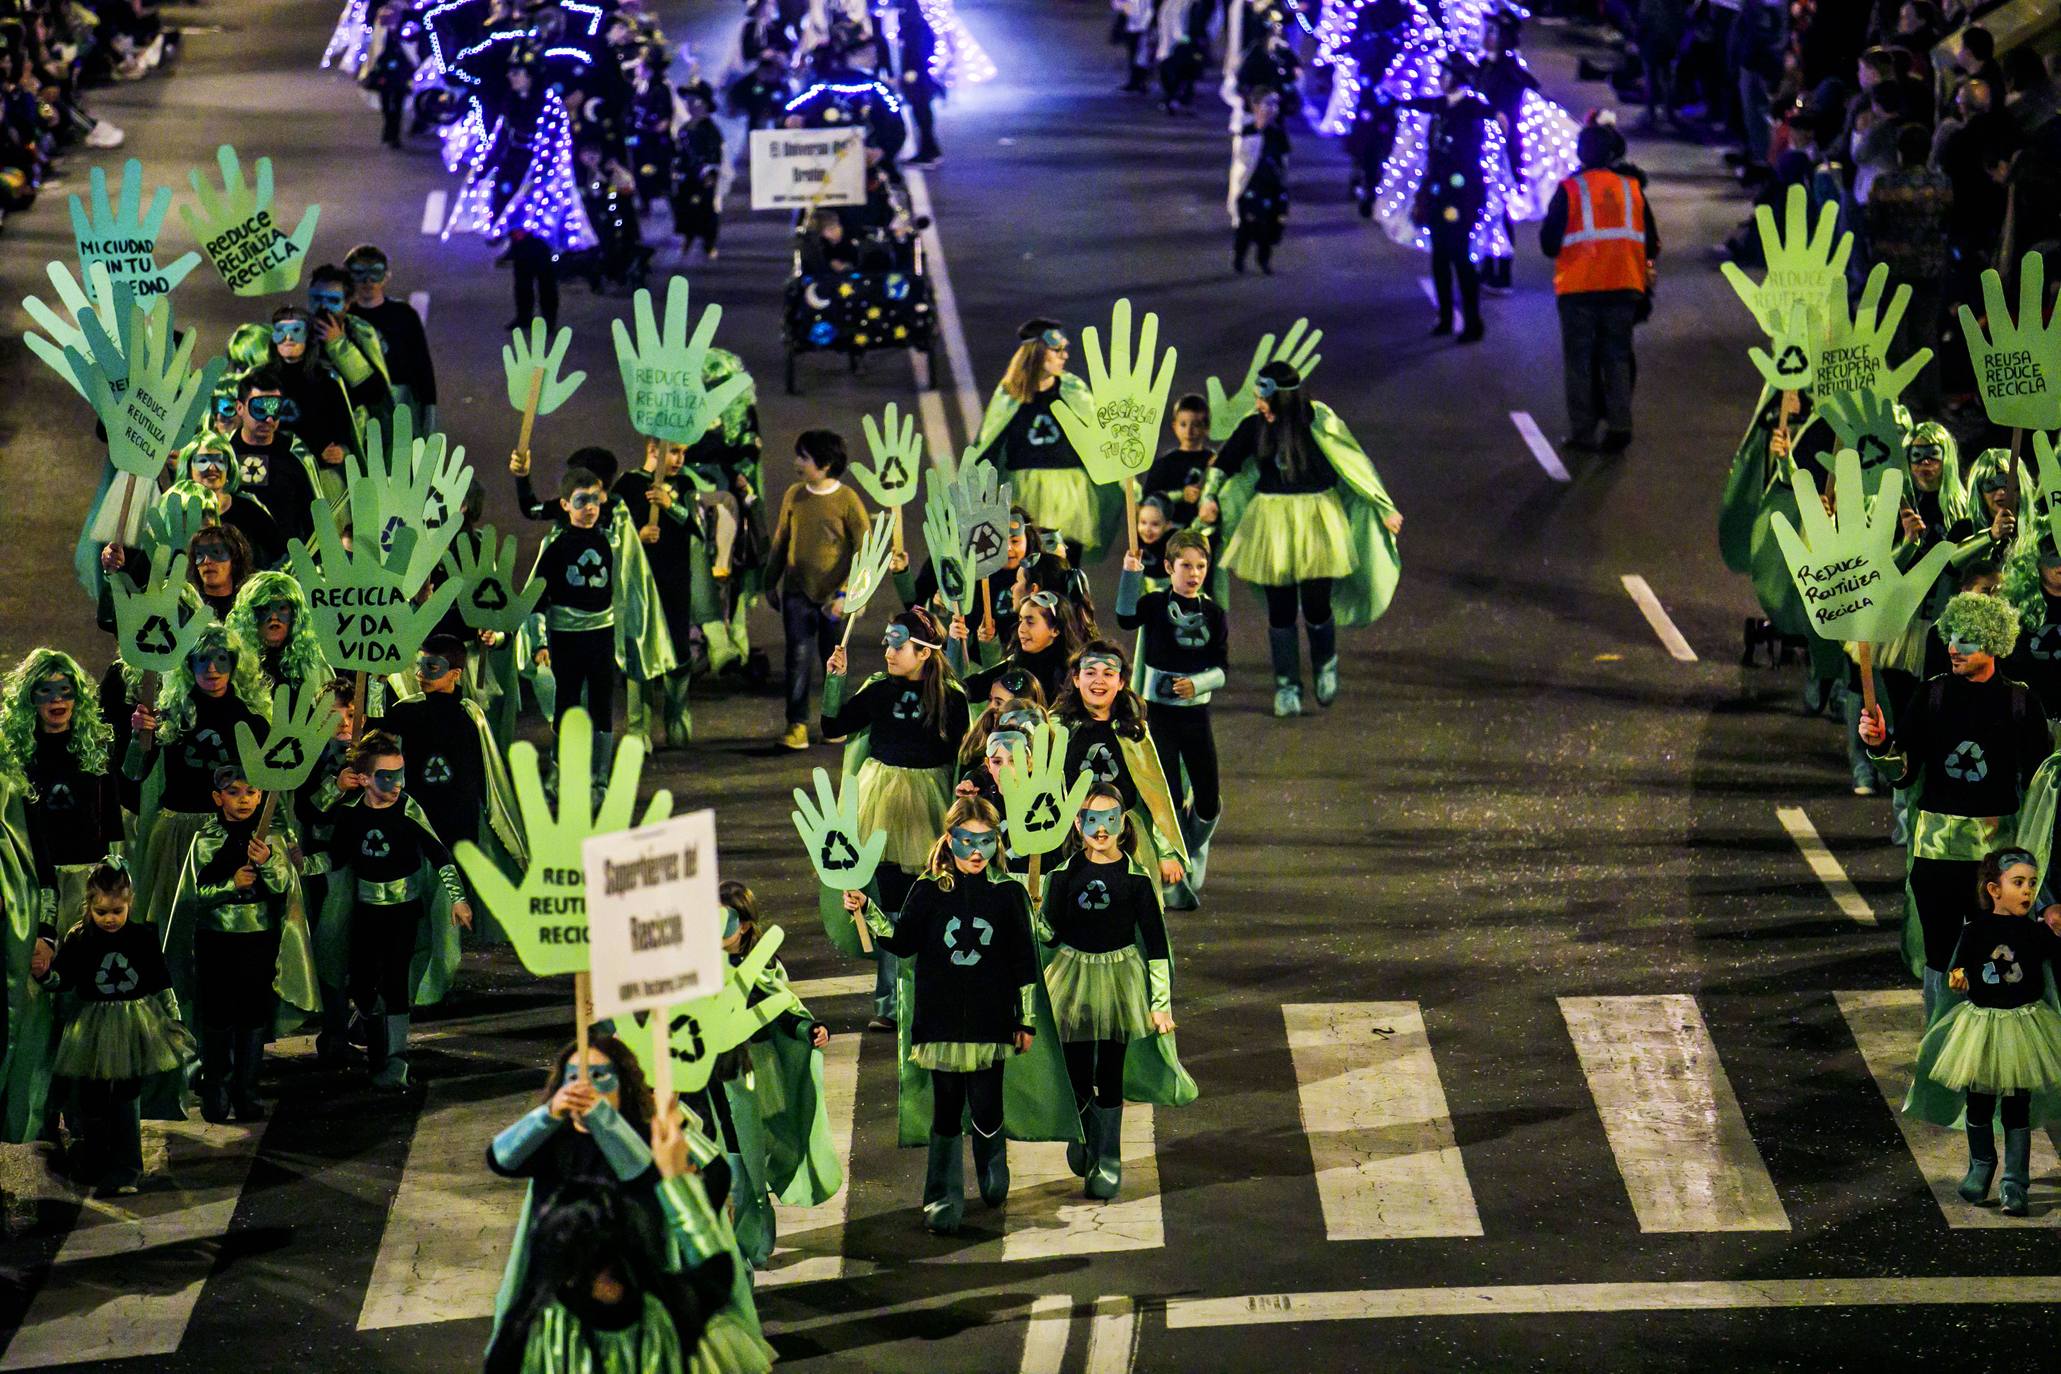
(662, 371)
(1226, 410)
(897, 458)
(1115, 442)
(702, 1030)
(1805, 271)
(420, 483)
(1039, 805)
(236, 229)
(364, 618)
(2017, 362)
(869, 568)
(65, 333)
(1846, 571)
(124, 237)
(829, 829)
(1795, 346)
(980, 500)
(154, 625)
(1865, 421)
(143, 388)
(546, 914)
(488, 573)
(947, 545)
(527, 364)
(304, 718)
(1854, 353)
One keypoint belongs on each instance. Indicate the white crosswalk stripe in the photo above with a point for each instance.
(811, 1239)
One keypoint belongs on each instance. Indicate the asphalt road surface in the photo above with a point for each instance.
(1545, 1004)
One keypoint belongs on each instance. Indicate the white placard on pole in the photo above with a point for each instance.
(654, 920)
(799, 169)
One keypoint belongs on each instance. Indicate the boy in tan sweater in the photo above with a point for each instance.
(821, 523)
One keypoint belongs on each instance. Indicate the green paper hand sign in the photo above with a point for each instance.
(304, 718)
(67, 342)
(525, 362)
(700, 1032)
(490, 600)
(869, 568)
(1791, 359)
(2046, 501)
(123, 237)
(2017, 362)
(980, 500)
(829, 829)
(545, 914)
(1806, 271)
(1846, 570)
(154, 624)
(172, 522)
(1116, 441)
(237, 232)
(947, 545)
(364, 617)
(1039, 805)
(408, 481)
(1299, 351)
(897, 458)
(1853, 354)
(1865, 421)
(143, 388)
(662, 371)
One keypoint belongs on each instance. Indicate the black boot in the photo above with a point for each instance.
(217, 1052)
(991, 1165)
(1106, 1174)
(243, 1089)
(1324, 660)
(1078, 1157)
(1982, 1162)
(944, 1185)
(2017, 1170)
(1287, 655)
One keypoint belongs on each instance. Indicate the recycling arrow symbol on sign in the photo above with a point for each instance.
(1043, 813)
(285, 754)
(490, 595)
(892, 473)
(984, 542)
(156, 636)
(838, 854)
(1792, 363)
(1873, 451)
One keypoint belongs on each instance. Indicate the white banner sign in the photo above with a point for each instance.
(798, 169)
(654, 921)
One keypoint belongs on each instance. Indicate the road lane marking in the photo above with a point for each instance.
(1824, 865)
(811, 1239)
(1656, 616)
(937, 436)
(1113, 1336)
(1381, 1138)
(126, 1280)
(1187, 1314)
(1045, 1334)
(1886, 1025)
(957, 354)
(433, 211)
(1674, 1126)
(418, 301)
(1540, 446)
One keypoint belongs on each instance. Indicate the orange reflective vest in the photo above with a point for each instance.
(1604, 248)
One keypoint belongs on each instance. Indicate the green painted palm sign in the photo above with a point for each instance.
(545, 914)
(236, 229)
(700, 1031)
(66, 334)
(1853, 353)
(489, 572)
(365, 617)
(980, 500)
(2017, 361)
(1036, 799)
(143, 387)
(526, 362)
(2047, 501)
(173, 520)
(405, 480)
(154, 624)
(123, 235)
(947, 545)
(304, 718)
(1789, 363)
(829, 830)
(1865, 421)
(1845, 569)
(1806, 269)
(1297, 348)
(1128, 395)
(869, 568)
(897, 458)
(662, 370)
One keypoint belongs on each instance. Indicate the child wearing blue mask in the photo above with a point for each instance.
(332, 367)
(577, 566)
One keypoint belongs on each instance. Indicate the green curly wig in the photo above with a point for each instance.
(217, 444)
(1953, 492)
(719, 366)
(1990, 621)
(90, 734)
(175, 709)
(2021, 582)
(301, 660)
(250, 347)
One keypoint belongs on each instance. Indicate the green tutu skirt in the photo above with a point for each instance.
(957, 1056)
(165, 845)
(728, 1346)
(1098, 996)
(1282, 540)
(1061, 499)
(131, 1039)
(1993, 1049)
(909, 804)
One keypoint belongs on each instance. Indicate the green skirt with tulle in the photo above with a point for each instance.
(1283, 540)
(909, 804)
(1098, 996)
(1061, 499)
(1993, 1049)
(957, 1056)
(137, 1038)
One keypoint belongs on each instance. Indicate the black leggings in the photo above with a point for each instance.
(1982, 1109)
(1450, 262)
(1096, 1069)
(1315, 596)
(382, 952)
(1943, 890)
(234, 971)
(1182, 736)
(583, 661)
(952, 1093)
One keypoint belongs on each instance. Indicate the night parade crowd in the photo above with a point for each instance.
(168, 918)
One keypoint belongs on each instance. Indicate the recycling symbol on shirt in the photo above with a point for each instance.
(2002, 954)
(908, 706)
(967, 957)
(437, 771)
(1191, 629)
(838, 854)
(375, 845)
(58, 797)
(255, 469)
(1044, 431)
(2045, 643)
(156, 636)
(1099, 761)
(116, 975)
(1792, 363)
(1966, 763)
(205, 749)
(285, 754)
(1094, 896)
(588, 570)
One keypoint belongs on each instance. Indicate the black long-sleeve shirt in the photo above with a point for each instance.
(890, 711)
(974, 956)
(2003, 957)
(1170, 473)
(1976, 742)
(95, 965)
(1098, 908)
(1183, 635)
(273, 474)
(577, 569)
(73, 816)
(1047, 665)
(2036, 661)
(1032, 439)
(446, 775)
(379, 844)
(408, 359)
(1094, 746)
(192, 756)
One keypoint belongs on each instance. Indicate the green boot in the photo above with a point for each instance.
(1324, 660)
(637, 714)
(1107, 1174)
(1982, 1162)
(679, 719)
(944, 1185)
(1077, 1150)
(991, 1165)
(392, 1073)
(2017, 1170)
(1286, 651)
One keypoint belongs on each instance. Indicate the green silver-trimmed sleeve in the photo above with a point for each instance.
(1159, 985)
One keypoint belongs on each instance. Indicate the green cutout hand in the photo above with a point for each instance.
(1129, 399)
(701, 1031)
(545, 914)
(1853, 355)
(145, 393)
(173, 520)
(2046, 503)
(489, 574)
(1865, 421)
(66, 334)
(124, 237)
(304, 718)
(1227, 409)
(2017, 361)
(662, 371)
(1805, 271)
(1039, 805)
(408, 481)
(364, 618)
(829, 829)
(947, 545)
(897, 458)
(1792, 363)
(980, 500)
(869, 568)
(1846, 571)
(154, 625)
(524, 357)
(236, 229)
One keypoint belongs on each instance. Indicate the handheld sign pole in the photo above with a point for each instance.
(662, 1062)
(1131, 515)
(583, 1012)
(529, 414)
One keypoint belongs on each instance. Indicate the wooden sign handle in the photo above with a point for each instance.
(583, 1012)
(662, 1054)
(529, 414)
(1866, 655)
(358, 706)
(265, 816)
(1131, 514)
(898, 530)
(987, 606)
